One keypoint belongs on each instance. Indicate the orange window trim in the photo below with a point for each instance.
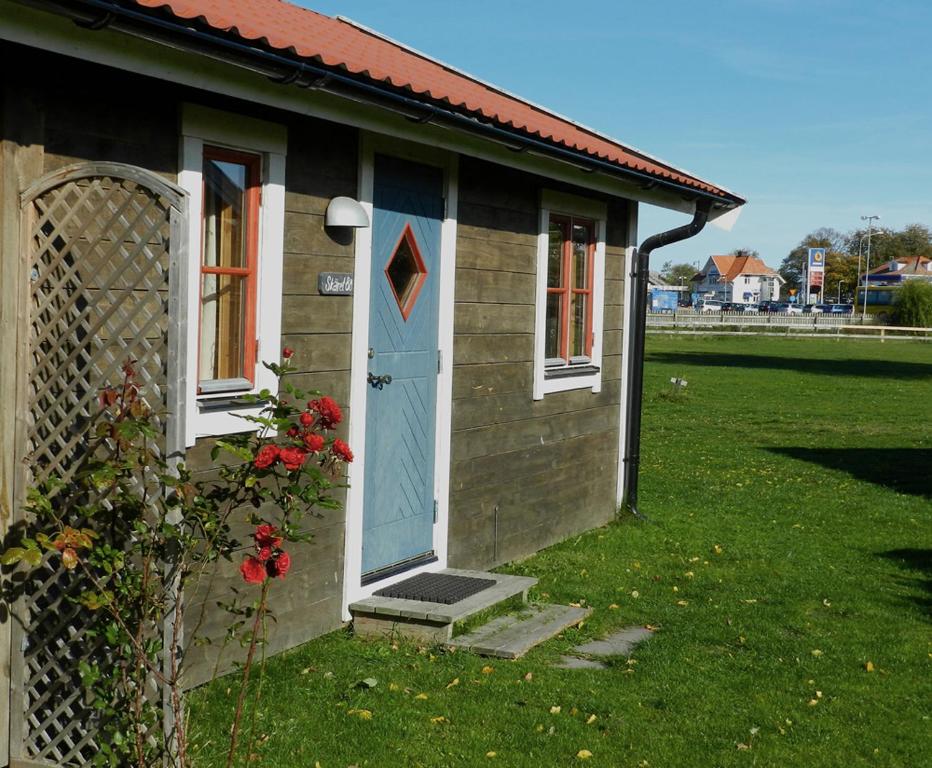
(566, 289)
(253, 164)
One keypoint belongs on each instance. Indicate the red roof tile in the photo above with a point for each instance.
(342, 45)
(732, 266)
(905, 265)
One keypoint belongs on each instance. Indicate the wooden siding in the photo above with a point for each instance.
(89, 113)
(22, 128)
(321, 164)
(525, 473)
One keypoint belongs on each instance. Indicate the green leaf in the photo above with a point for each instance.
(237, 450)
(12, 555)
(32, 557)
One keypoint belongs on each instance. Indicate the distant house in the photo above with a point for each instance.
(883, 281)
(743, 279)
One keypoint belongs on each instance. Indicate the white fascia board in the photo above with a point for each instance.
(47, 31)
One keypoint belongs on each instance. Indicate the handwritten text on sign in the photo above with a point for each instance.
(335, 284)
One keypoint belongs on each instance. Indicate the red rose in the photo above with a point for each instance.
(292, 457)
(306, 419)
(279, 566)
(287, 353)
(266, 456)
(313, 442)
(266, 536)
(342, 450)
(253, 570)
(264, 554)
(292, 432)
(328, 410)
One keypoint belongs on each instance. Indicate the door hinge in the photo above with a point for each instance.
(439, 361)
(436, 510)
(258, 352)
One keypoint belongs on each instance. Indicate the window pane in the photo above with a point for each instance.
(580, 256)
(223, 316)
(555, 256)
(224, 214)
(578, 345)
(552, 343)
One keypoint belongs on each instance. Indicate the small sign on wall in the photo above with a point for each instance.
(335, 284)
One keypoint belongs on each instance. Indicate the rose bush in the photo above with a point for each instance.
(139, 532)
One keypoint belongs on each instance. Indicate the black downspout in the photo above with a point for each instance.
(638, 319)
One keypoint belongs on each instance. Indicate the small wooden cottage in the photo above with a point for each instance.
(198, 183)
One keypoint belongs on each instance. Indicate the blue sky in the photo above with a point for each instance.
(816, 111)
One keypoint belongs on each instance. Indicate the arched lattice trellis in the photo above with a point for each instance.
(103, 245)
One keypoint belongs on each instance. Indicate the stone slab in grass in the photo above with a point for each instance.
(509, 637)
(574, 662)
(619, 643)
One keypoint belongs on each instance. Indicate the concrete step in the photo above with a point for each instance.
(511, 636)
(428, 622)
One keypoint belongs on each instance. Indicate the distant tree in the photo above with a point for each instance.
(912, 240)
(914, 304)
(745, 252)
(675, 274)
(838, 263)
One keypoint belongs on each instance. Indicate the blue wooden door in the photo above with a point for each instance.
(398, 514)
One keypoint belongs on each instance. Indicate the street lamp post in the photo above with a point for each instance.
(870, 223)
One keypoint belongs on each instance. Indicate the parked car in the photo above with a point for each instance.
(684, 303)
(768, 306)
(814, 309)
(785, 308)
(709, 305)
(731, 306)
(750, 308)
(839, 309)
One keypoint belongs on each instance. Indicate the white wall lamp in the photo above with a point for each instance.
(346, 212)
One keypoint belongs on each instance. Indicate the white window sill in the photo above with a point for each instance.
(224, 416)
(568, 378)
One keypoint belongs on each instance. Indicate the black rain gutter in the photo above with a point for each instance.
(637, 318)
(322, 77)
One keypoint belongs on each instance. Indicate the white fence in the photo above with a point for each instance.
(764, 323)
(690, 318)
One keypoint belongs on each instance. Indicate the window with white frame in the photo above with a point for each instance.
(233, 169)
(570, 294)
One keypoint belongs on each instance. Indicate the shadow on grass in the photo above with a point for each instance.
(913, 560)
(872, 368)
(904, 470)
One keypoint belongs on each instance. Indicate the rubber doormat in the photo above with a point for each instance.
(443, 588)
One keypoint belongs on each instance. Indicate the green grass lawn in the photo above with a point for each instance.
(787, 569)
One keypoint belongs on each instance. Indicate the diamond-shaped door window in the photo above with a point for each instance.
(406, 272)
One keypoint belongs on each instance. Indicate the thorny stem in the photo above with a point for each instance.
(238, 714)
(258, 696)
(139, 692)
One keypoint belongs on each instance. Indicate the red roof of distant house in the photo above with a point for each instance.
(911, 265)
(342, 45)
(732, 266)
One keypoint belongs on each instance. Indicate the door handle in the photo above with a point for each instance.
(378, 382)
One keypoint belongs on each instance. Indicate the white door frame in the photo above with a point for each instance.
(370, 144)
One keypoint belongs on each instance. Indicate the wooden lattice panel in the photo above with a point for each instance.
(99, 295)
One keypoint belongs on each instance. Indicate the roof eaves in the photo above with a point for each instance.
(551, 131)
(534, 105)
